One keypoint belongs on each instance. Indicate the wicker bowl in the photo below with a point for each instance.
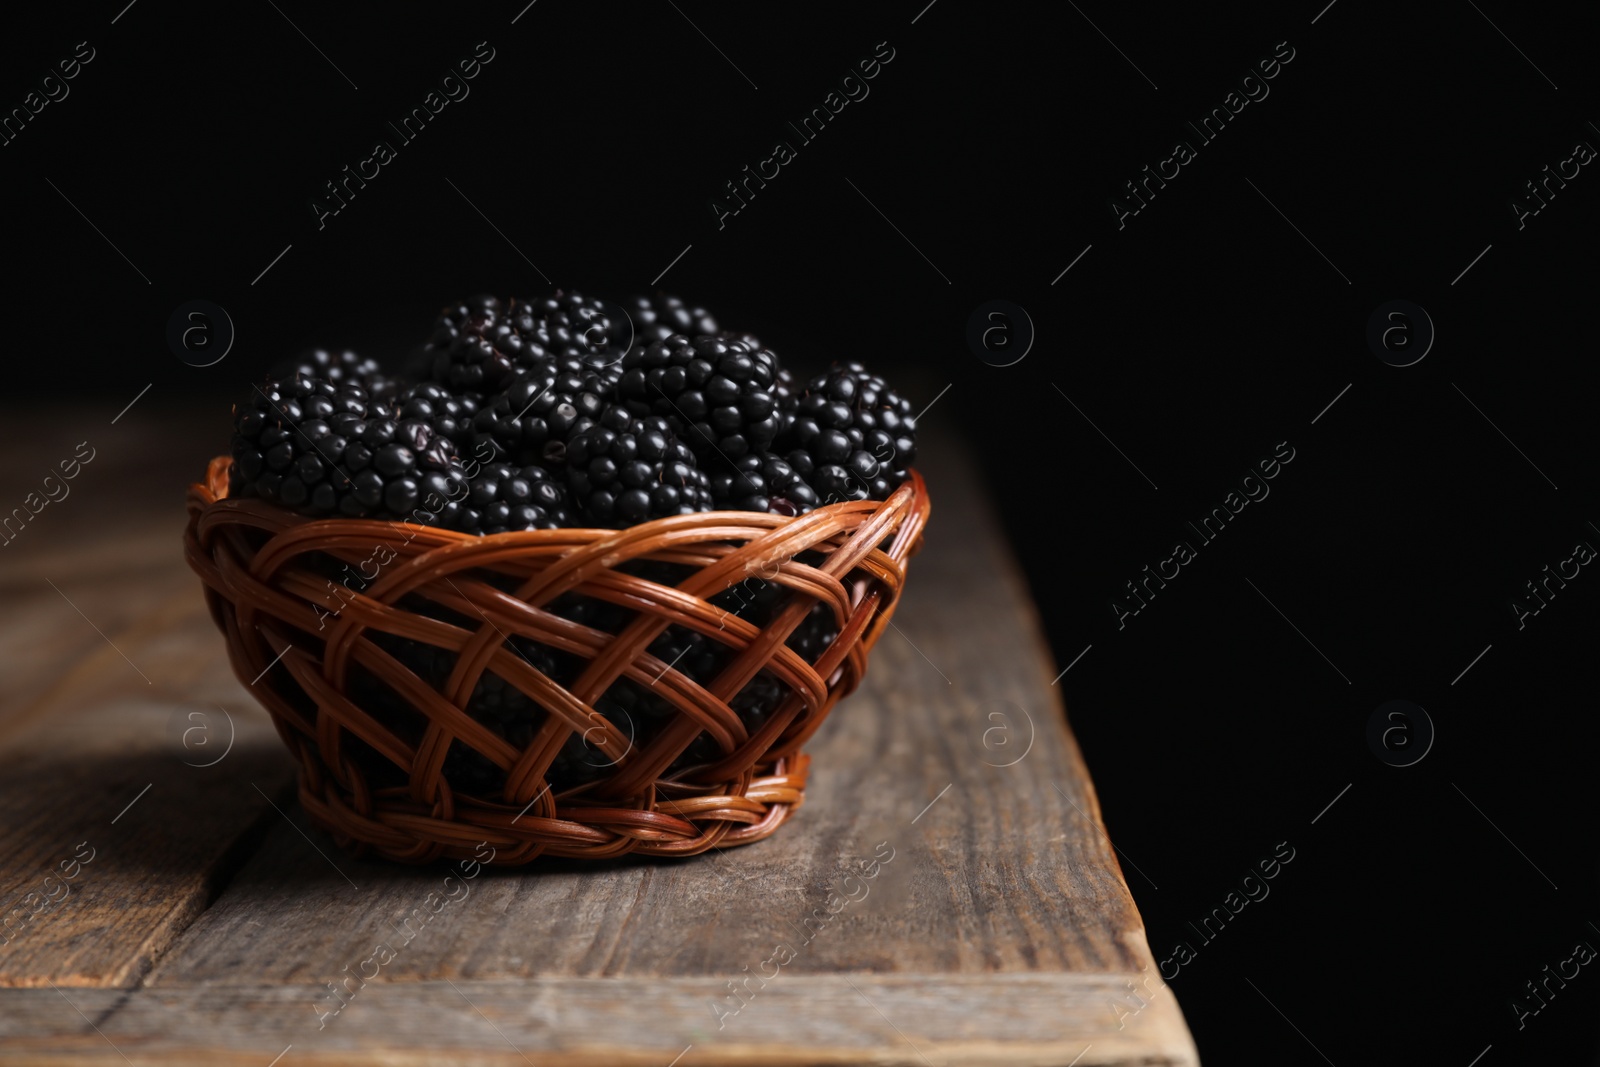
(299, 641)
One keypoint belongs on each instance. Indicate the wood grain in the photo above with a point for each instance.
(1000, 931)
(115, 836)
(1022, 1020)
(105, 695)
(103, 556)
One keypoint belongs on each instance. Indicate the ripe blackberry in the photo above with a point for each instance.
(755, 601)
(853, 437)
(532, 420)
(659, 317)
(566, 332)
(473, 363)
(285, 447)
(685, 651)
(715, 394)
(337, 367)
(745, 337)
(690, 652)
(784, 388)
(763, 482)
(566, 321)
(475, 314)
(494, 702)
(754, 704)
(461, 353)
(448, 414)
(758, 699)
(504, 497)
(814, 634)
(413, 474)
(786, 391)
(589, 611)
(323, 449)
(625, 469)
(483, 344)
(507, 711)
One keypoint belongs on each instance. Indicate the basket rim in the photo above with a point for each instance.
(212, 492)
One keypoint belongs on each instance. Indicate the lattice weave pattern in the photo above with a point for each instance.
(307, 639)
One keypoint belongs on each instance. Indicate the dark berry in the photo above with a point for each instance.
(340, 368)
(715, 394)
(504, 497)
(625, 469)
(851, 436)
(659, 317)
(531, 422)
(325, 448)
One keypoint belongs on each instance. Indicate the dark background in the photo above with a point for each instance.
(1196, 338)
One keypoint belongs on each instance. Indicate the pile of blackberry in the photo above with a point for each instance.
(571, 411)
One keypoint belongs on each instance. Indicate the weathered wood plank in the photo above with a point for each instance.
(113, 843)
(105, 697)
(109, 539)
(892, 1021)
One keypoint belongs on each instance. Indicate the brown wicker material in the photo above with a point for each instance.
(256, 561)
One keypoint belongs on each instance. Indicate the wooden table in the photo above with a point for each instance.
(184, 913)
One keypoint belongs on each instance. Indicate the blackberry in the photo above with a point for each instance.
(754, 704)
(463, 319)
(494, 702)
(565, 323)
(659, 317)
(337, 367)
(639, 712)
(589, 611)
(814, 634)
(414, 474)
(566, 332)
(784, 389)
(763, 482)
(472, 362)
(625, 469)
(531, 422)
(755, 600)
(483, 344)
(461, 353)
(286, 449)
(323, 449)
(715, 394)
(475, 314)
(448, 414)
(758, 700)
(509, 712)
(745, 337)
(690, 652)
(852, 437)
(504, 497)
(765, 693)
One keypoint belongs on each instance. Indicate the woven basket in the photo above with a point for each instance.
(298, 641)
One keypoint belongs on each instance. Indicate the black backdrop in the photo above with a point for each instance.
(1184, 345)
